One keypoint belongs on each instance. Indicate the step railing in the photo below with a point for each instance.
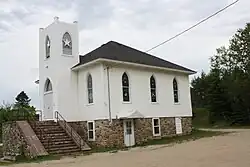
(70, 131)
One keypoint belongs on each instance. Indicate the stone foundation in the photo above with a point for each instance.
(13, 141)
(20, 139)
(112, 134)
(186, 125)
(106, 134)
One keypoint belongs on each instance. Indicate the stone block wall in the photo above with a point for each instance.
(186, 125)
(106, 134)
(167, 126)
(20, 139)
(143, 130)
(112, 134)
(13, 141)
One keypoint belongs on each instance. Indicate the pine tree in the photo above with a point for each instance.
(227, 85)
(22, 100)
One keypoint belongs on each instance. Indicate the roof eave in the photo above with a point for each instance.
(80, 66)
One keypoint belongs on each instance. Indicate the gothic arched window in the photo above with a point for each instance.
(90, 89)
(67, 44)
(125, 87)
(48, 86)
(47, 46)
(153, 89)
(176, 91)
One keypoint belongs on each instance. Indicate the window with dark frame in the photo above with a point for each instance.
(91, 131)
(48, 86)
(176, 93)
(125, 87)
(47, 47)
(90, 89)
(156, 127)
(153, 89)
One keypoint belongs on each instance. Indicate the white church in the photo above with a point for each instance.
(114, 95)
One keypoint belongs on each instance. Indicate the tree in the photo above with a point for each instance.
(23, 103)
(22, 100)
(199, 90)
(225, 90)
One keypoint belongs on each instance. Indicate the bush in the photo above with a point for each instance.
(200, 117)
(8, 113)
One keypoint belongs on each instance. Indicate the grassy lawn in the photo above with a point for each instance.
(196, 134)
(25, 160)
(1, 151)
(201, 120)
(222, 126)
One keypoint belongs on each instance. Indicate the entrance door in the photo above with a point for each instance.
(178, 125)
(48, 101)
(48, 106)
(129, 138)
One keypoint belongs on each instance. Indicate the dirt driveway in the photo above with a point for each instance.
(222, 151)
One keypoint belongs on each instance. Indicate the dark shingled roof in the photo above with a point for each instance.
(119, 52)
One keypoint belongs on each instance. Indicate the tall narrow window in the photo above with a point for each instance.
(91, 130)
(48, 86)
(47, 47)
(90, 89)
(156, 127)
(153, 89)
(125, 87)
(67, 44)
(176, 93)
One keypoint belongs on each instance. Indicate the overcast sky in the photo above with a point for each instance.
(138, 23)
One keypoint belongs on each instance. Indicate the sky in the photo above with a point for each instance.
(141, 24)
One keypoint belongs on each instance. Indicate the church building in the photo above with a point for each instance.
(114, 95)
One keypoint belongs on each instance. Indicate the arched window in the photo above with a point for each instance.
(48, 86)
(153, 89)
(176, 93)
(67, 44)
(125, 87)
(47, 47)
(90, 89)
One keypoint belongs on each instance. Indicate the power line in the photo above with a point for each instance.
(207, 18)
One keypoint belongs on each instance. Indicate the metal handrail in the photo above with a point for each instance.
(75, 136)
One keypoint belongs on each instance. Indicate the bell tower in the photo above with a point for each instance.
(58, 52)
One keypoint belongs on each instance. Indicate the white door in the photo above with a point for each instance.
(178, 125)
(129, 137)
(48, 106)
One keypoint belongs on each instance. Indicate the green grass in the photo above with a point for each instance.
(100, 150)
(222, 126)
(22, 159)
(201, 120)
(196, 134)
(200, 117)
(1, 151)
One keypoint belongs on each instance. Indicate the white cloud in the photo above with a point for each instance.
(140, 24)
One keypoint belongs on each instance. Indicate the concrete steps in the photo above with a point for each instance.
(54, 138)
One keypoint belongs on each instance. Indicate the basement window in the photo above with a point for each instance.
(91, 130)
(156, 127)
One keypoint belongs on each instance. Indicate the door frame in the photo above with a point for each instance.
(131, 136)
(52, 106)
